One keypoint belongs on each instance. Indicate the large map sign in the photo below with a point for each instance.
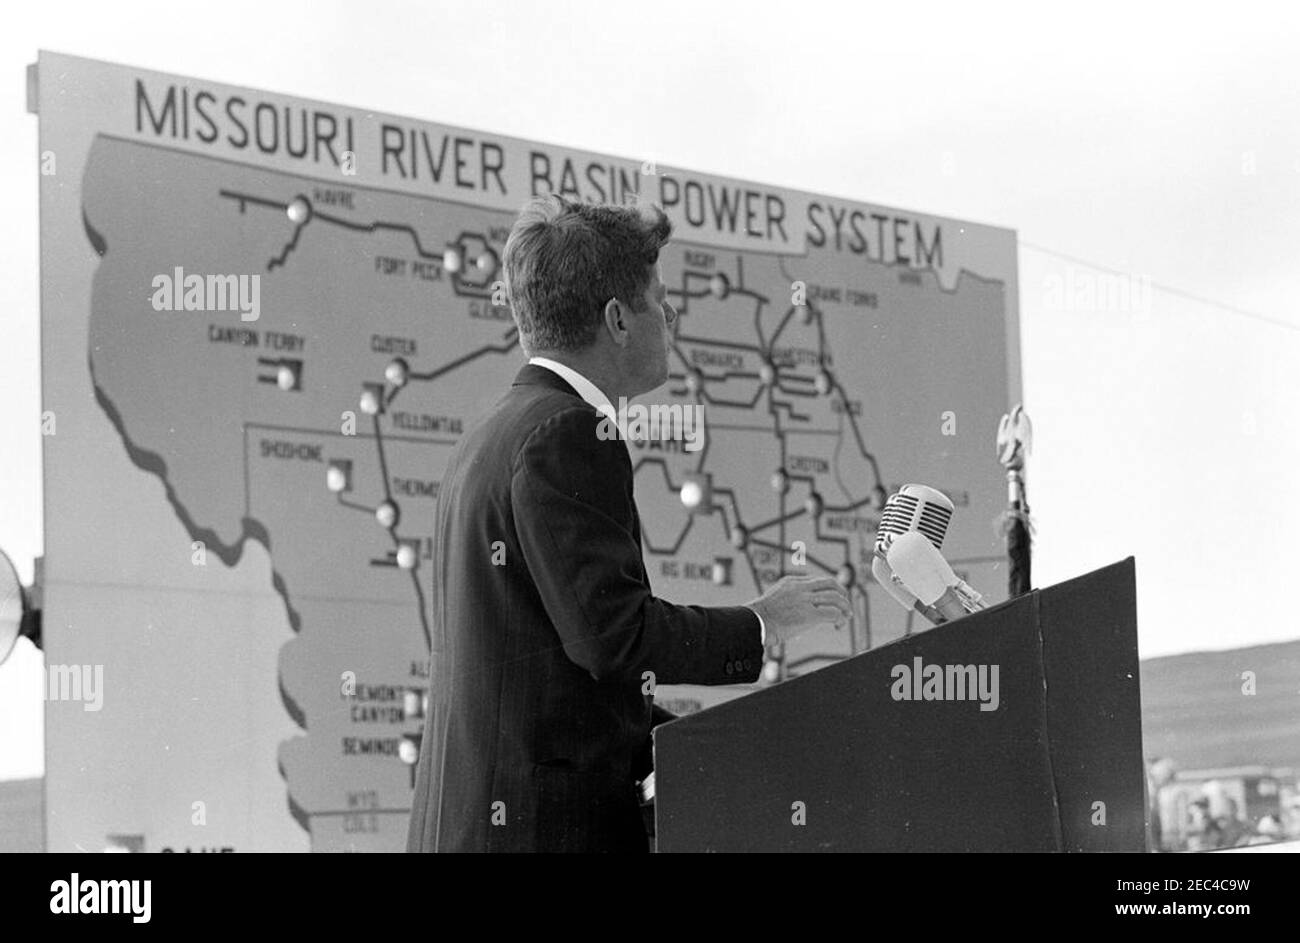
(267, 321)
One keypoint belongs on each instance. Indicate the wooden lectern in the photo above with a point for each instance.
(1017, 728)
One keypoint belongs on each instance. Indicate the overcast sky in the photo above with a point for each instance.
(1155, 141)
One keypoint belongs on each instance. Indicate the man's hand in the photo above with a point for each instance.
(795, 604)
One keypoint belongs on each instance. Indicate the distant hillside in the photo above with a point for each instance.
(1194, 711)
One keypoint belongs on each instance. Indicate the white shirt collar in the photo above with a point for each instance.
(581, 385)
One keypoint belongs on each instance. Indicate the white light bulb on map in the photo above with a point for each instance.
(767, 372)
(409, 751)
(336, 479)
(692, 494)
(693, 380)
(813, 505)
(846, 576)
(719, 286)
(369, 402)
(485, 262)
(397, 372)
(406, 557)
(739, 537)
(780, 481)
(285, 378)
(412, 704)
(299, 211)
(823, 382)
(386, 514)
(451, 260)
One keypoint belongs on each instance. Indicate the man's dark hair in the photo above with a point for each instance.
(565, 260)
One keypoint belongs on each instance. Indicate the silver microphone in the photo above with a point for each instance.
(915, 507)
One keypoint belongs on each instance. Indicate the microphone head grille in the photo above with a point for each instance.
(893, 521)
(915, 507)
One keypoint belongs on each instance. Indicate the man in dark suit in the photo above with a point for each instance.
(548, 640)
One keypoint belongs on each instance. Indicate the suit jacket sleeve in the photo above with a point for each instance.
(571, 495)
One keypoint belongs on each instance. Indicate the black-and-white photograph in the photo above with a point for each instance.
(612, 427)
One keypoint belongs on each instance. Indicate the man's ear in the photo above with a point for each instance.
(616, 322)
